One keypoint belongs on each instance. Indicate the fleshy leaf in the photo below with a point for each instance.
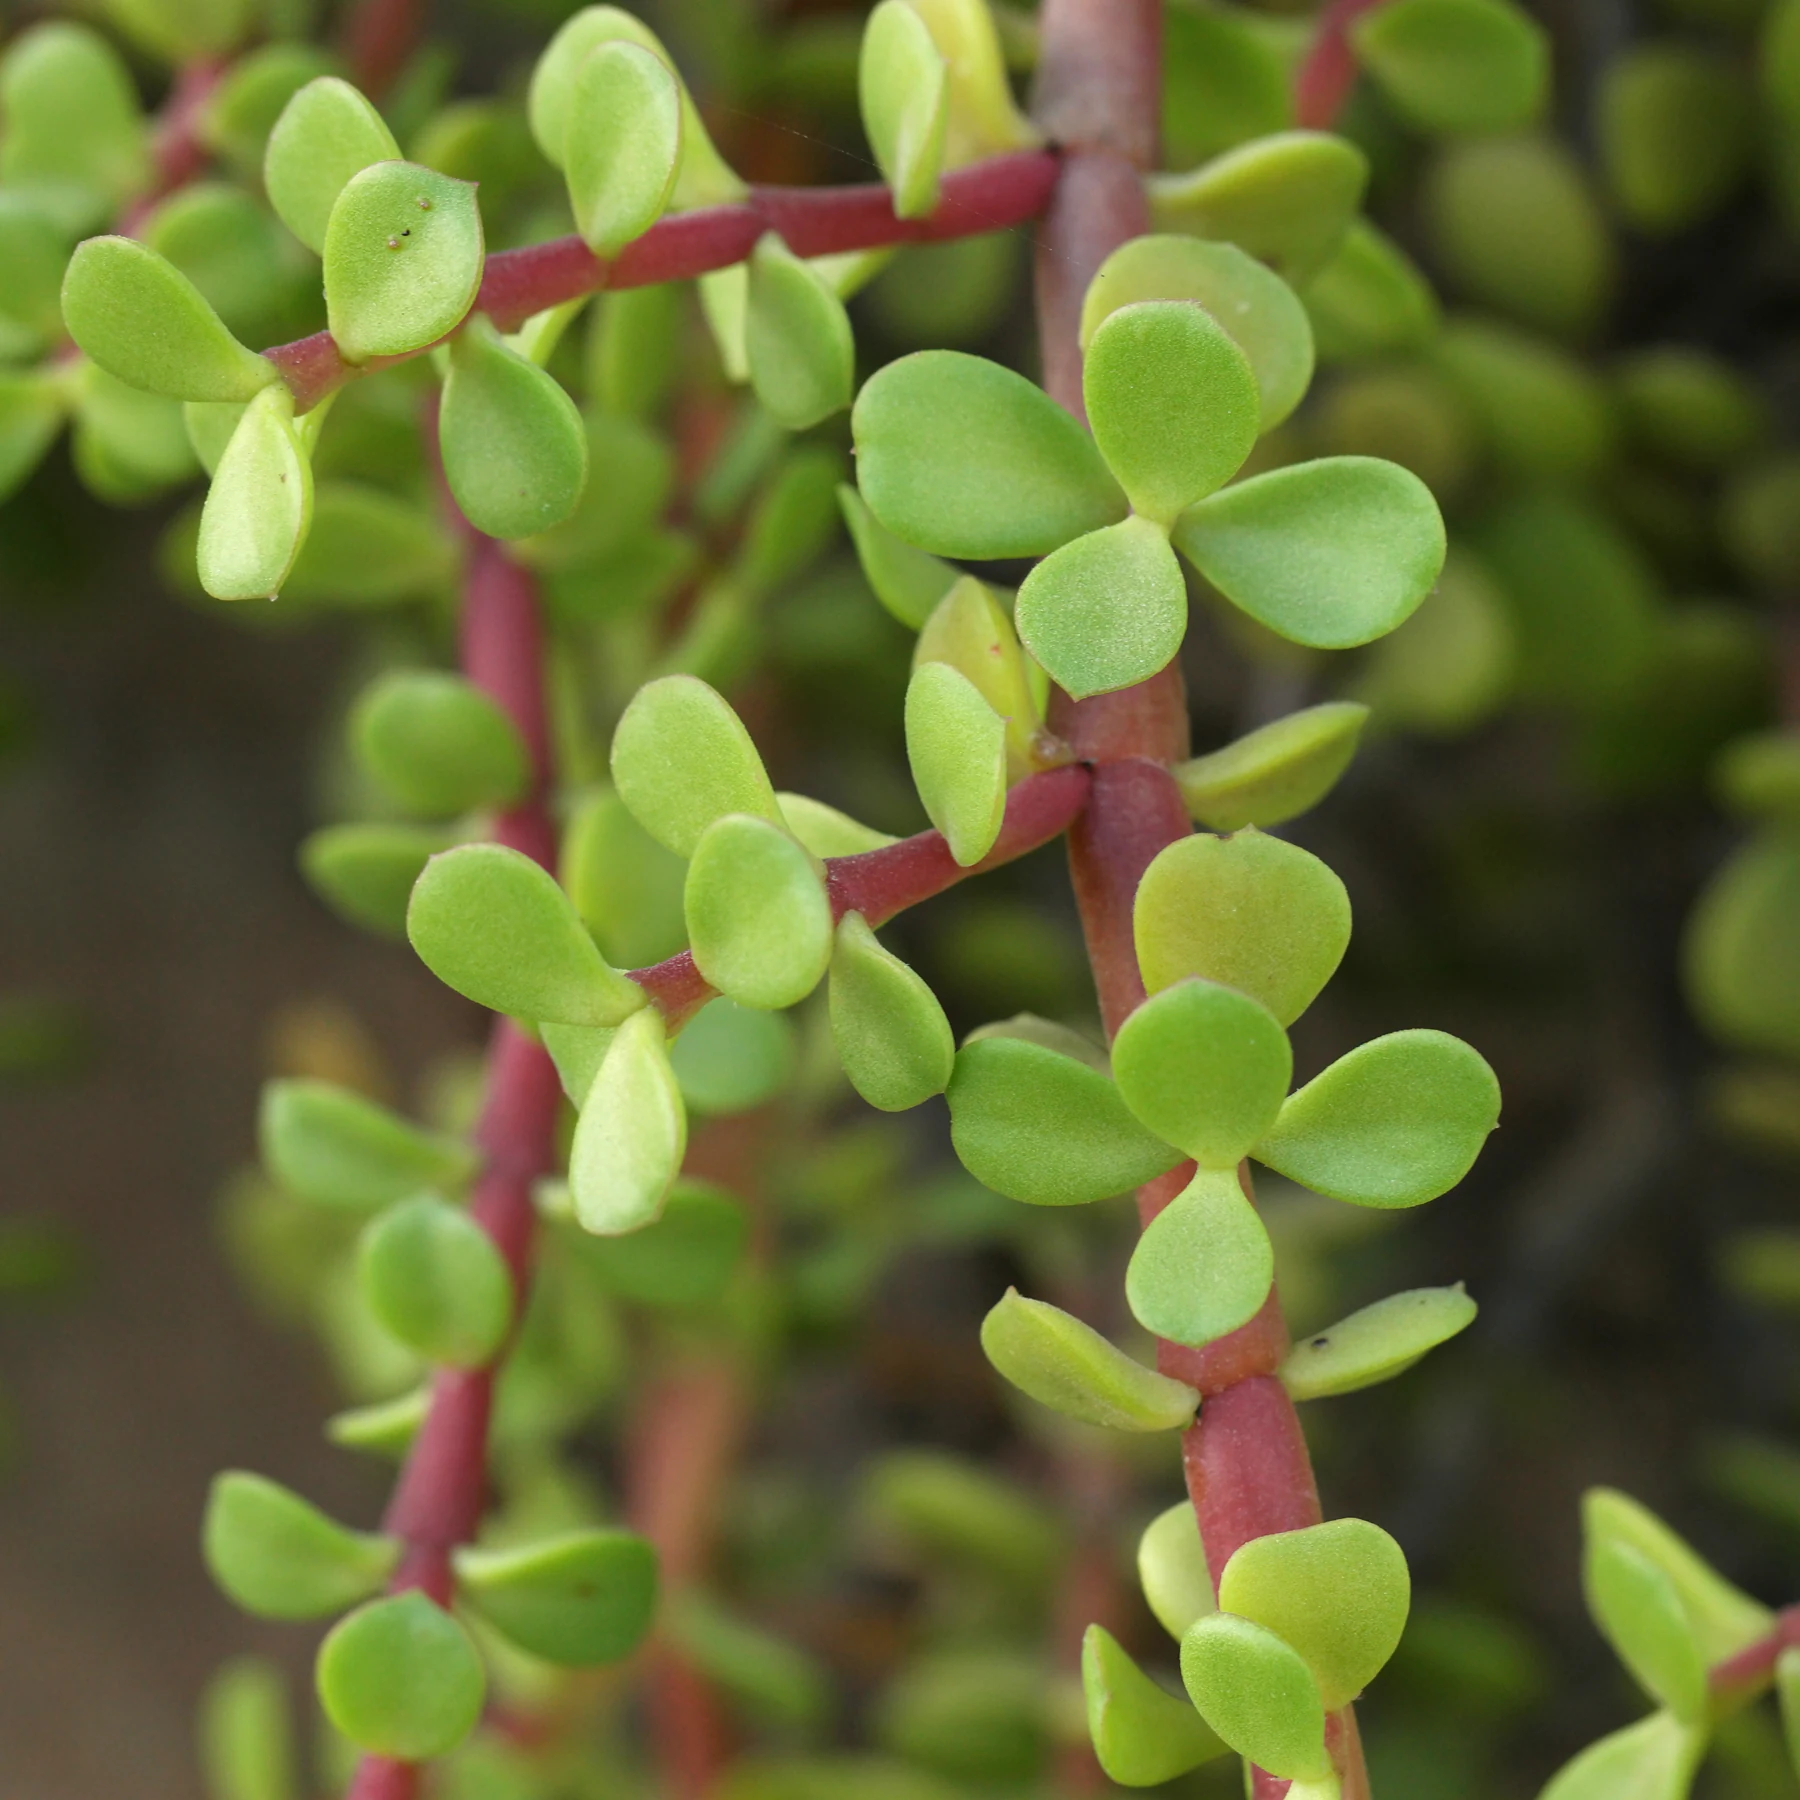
(688, 1254)
(824, 830)
(758, 916)
(962, 457)
(625, 885)
(730, 1058)
(1250, 911)
(336, 1148)
(1640, 1614)
(31, 414)
(1172, 1571)
(1255, 306)
(1376, 1343)
(1257, 1693)
(400, 1678)
(577, 1600)
(1330, 553)
(1070, 1368)
(495, 926)
(904, 87)
(632, 1133)
(1396, 1122)
(438, 743)
(246, 1733)
(984, 119)
(1677, 134)
(1274, 773)
(1106, 611)
(621, 144)
(1455, 66)
(1173, 403)
(797, 337)
(1204, 1264)
(970, 630)
(366, 547)
(1041, 1127)
(1654, 1759)
(326, 133)
(1337, 1592)
(33, 255)
(434, 1279)
(908, 582)
(1142, 1734)
(682, 758)
(136, 315)
(279, 1557)
(891, 1033)
(1741, 957)
(365, 871)
(956, 746)
(259, 507)
(515, 450)
(1369, 300)
(403, 257)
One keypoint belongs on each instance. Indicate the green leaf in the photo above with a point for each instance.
(438, 743)
(1375, 1343)
(1677, 132)
(1689, 406)
(1106, 611)
(970, 630)
(400, 1678)
(128, 445)
(1173, 402)
(1287, 198)
(1741, 957)
(797, 337)
(632, 1133)
(1330, 553)
(1758, 777)
(825, 831)
(953, 1511)
(956, 746)
(965, 458)
(1041, 1127)
(1254, 305)
(1253, 912)
(1274, 773)
(908, 582)
(33, 253)
(434, 1279)
(259, 508)
(773, 1680)
(1225, 79)
(1257, 1694)
(631, 473)
(625, 885)
(385, 1428)
(246, 1734)
(1142, 1734)
(757, 912)
(327, 133)
(403, 257)
(687, 1255)
(577, 1600)
(984, 119)
(793, 521)
(243, 109)
(1369, 300)
(515, 450)
(1452, 66)
(1204, 1265)
(1338, 1593)
(1397, 1122)
(229, 247)
(731, 1058)
(1639, 1613)
(1205, 1067)
(142, 320)
(492, 924)
(1787, 1693)
(1172, 1571)
(621, 144)
(335, 1148)
(891, 1033)
(181, 31)
(682, 759)
(31, 414)
(365, 872)
(279, 1557)
(1070, 1368)
(367, 547)
(1654, 1759)
(904, 89)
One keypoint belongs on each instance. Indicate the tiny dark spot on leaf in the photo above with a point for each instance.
(1319, 1343)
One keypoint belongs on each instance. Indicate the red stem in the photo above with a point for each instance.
(378, 37)
(1324, 80)
(178, 154)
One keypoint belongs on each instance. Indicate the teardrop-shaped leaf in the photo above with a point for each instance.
(1397, 1122)
(1041, 1127)
(336, 1148)
(365, 871)
(824, 830)
(621, 144)
(326, 133)
(1654, 1759)
(891, 1033)
(1173, 403)
(758, 917)
(1274, 773)
(142, 320)
(682, 758)
(495, 926)
(962, 457)
(1370, 300)
(797, 337)
(1375, 1343)
(401, 1678)
(1070, 1368)
(434, 1279)
(632, 1133)
(1204, 1265)
(1257, 1693)
(908, 582)
(1453, 66)
(904, 88)
(1640, 1614)
(1337, 1592)
(438, 743)
(1249, 300)
(1106, 611)
(1329, 553)
(279, 1557)
(515, 451)
(1172, 1571)
(259, 507)
(956, 746)
(970, 630)
(1142, 1734)
(984, 118)
(1250, 911)
(577, 1600)
(403, 255)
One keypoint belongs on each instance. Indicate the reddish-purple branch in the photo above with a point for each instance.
(1328, 73)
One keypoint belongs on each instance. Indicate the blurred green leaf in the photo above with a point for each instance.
(279, 1557)
(1457, 66)
(400, 1678)
(336, 1148)
(435, 1280)
(578, 1600)
(247, 1734)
